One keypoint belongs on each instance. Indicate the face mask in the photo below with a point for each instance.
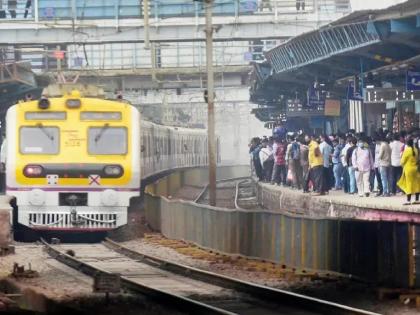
(360, 145)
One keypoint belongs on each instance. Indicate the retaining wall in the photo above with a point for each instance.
(377, 251)
(5, 221)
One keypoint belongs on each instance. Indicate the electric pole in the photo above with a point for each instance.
(210, 104)
(146, 24)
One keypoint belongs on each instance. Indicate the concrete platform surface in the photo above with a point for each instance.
(337, 204)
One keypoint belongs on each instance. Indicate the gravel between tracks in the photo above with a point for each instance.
(55, 280)
(349, 293)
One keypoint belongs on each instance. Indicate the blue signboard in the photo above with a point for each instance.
(413, 81)
(48, 13)
(316, 99)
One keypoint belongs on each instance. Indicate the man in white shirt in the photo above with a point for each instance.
(267, 160)
(396, 169)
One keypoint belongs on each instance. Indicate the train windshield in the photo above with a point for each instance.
(39, 140)
(107, 140)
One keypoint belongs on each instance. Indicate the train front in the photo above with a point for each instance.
(72, 163)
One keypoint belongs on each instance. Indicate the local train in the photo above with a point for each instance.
(73, 163)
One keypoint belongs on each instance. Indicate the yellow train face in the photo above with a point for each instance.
(74, 142)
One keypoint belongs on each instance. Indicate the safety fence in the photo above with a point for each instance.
(44, 10)
(381, 252)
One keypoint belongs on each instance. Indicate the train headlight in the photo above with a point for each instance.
(109, 197)
(33, 171)
(43, 103)
(113, 170)
(36, 197)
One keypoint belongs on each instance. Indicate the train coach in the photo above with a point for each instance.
(73, 163)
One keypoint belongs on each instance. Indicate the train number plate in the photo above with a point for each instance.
(107, 283)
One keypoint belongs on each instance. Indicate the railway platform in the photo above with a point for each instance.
(337, 205)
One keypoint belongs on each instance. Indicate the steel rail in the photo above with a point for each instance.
(179, 302)
(202, 193)
(267, 294)
(237, 195)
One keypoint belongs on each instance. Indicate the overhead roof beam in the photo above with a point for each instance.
(407, 25)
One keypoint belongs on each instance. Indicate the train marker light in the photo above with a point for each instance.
(33, 170)
(73, 103)
(43, 103)
(113, 170)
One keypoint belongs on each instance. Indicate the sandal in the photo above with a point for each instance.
(406, 203)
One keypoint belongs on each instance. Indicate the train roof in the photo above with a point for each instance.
(148, 123)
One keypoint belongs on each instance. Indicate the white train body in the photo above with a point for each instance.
(74, 174)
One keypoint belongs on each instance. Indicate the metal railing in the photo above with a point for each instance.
(44, 10)
(16, 10)
(135, 56)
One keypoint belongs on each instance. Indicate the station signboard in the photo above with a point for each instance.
(332, 107)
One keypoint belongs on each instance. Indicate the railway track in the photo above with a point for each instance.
(225, 192)
(188, 289)
(246, 195)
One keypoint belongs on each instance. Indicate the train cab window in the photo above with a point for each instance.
(39, 140)
(107, 140)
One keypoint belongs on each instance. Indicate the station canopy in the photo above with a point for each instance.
(375, 45)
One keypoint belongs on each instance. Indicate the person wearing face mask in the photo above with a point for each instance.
(363, 164)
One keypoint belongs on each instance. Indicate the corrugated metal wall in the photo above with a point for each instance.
(376, 251)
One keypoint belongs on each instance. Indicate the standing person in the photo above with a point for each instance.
(267, 160)
(316, 167)
(377, 141)
(255, 153)
(410, 179)
(337, 165)
(384, 163)
(363, 164)
(349, 162)
(326, 150)
(343, 157)
(27, 8)
(396, 149)
(304, 163)
(300, 4)
(293, 161)
(280, 170)
(289, 165)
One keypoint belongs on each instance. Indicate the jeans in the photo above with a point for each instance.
(379, 180)
(338, 173)
(346, 180)
(396, 174)
(268, 169)
(352, 180)
(279, 174)
(385, 178)
(317, 176)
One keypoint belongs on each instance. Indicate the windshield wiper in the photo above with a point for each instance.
(101, 132)
(49, 136)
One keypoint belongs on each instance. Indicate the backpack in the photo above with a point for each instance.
(295, 151)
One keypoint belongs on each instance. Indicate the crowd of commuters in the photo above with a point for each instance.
(382, 165)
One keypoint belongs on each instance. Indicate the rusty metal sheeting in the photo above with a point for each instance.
(375, 251)
(5, 227)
